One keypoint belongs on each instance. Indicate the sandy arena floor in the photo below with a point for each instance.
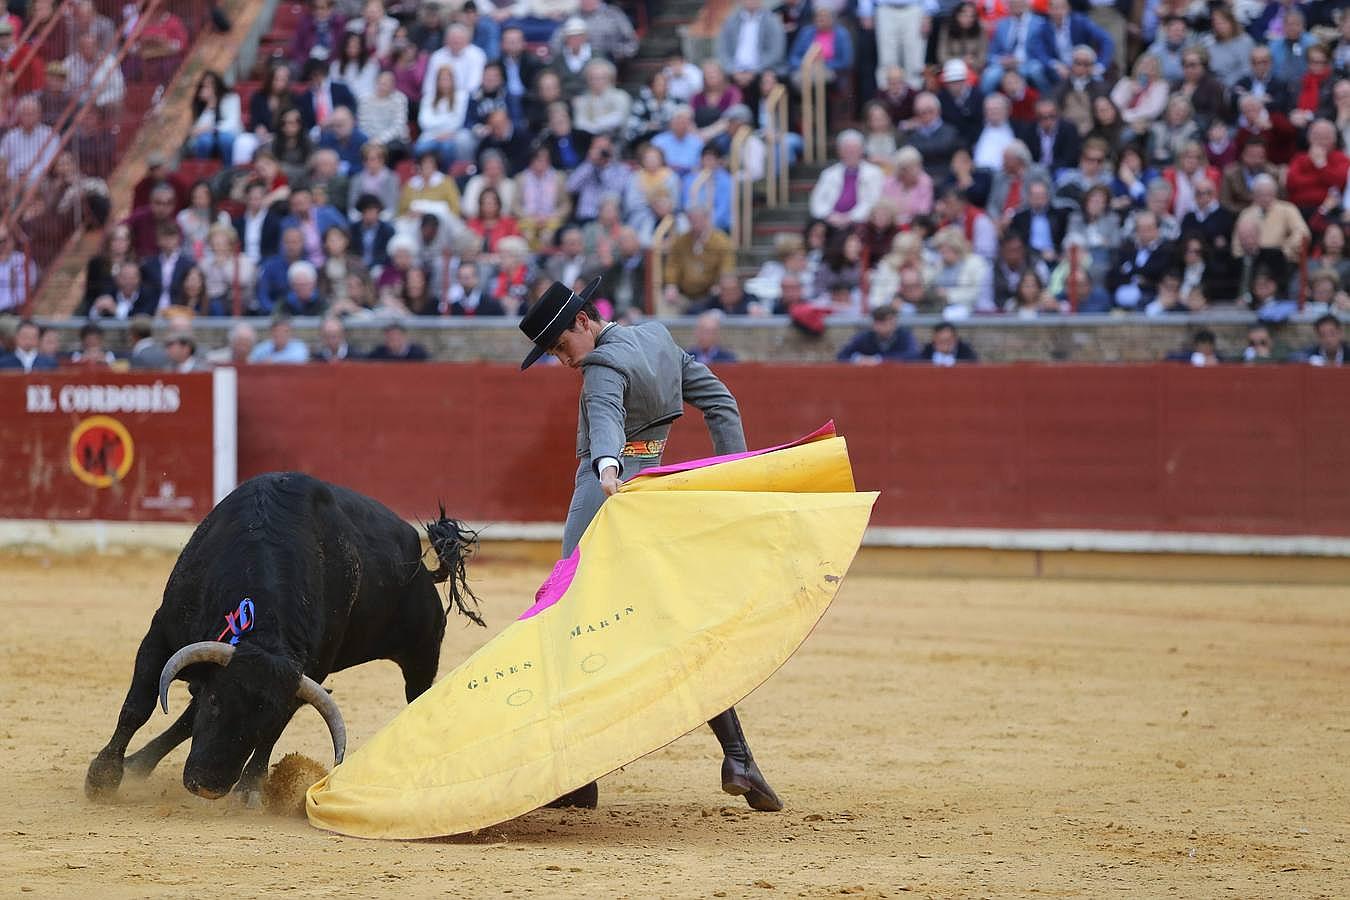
(949, 738)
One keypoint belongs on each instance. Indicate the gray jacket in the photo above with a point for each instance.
(636, 382)
(772, 44)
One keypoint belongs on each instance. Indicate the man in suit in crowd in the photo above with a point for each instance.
(1021, 42)
(397, 347)
(1040, 223)
(1076, 93)
(1066, 31)
(935, 139)
(707, 347)
(1331, 348)
(1263, 83)
(519, 66)
(258, 226)
(962, 102)
(1214, 224)
(370, 233)
(883, 342)
(182, 352)
(341, 135)
(468, 296)
(129, 298)
(635, 382)
(321, 95)
(1141, 263)
(162, 275)
(751, 40)
(26, 355)
(312, 220)
(333, 346)
(1055, 144)
(946, 348)
(146, 352)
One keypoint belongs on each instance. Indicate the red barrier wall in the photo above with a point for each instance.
(1168, 448)
(98, 445)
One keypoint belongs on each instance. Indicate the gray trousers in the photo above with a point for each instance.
(587, 496)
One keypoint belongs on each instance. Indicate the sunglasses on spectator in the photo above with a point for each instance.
(1094, 159)
(1260, 343)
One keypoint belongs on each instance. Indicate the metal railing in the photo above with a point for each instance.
(46, 233)
(94, 134)
(34, 47)
(812, 73)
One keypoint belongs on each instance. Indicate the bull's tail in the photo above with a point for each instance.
(453, 544)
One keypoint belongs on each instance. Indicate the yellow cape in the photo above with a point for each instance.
(691, 589)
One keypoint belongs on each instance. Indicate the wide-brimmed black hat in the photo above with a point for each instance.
(551, 315)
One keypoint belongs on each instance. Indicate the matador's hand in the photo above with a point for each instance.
(609, 481)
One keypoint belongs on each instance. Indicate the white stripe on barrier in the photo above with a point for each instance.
(224, 432)
(66, 536)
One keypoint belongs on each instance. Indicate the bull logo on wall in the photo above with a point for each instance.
(101, 451)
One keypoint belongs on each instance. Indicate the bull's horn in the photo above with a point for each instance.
(200, 652)
(312, 692)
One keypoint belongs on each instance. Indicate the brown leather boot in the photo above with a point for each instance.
(740, 776)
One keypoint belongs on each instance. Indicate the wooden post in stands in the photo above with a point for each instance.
(813, 139)
(776, 129)
(656, 263)
(818, 86)
(734, 163)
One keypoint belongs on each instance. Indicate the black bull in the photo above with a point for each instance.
(333, 579)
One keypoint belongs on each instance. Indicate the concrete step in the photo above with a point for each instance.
(689, 6)
(659, 43)
(669, 23)
(765, 232)
(797, 211)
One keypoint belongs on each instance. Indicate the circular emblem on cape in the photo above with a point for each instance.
(101, 451)
(520, 697)
(593, 663)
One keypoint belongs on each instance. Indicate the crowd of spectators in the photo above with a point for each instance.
(1013, 157)
(34, 347)
(1066, 159)
(435, 161)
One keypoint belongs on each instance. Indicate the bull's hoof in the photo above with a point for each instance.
(103, 778)
(138, 766)
(249, 793)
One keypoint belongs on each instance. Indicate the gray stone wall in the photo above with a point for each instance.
(1085, 339)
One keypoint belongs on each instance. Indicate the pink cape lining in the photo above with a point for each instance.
(824, 431)
(560, 579)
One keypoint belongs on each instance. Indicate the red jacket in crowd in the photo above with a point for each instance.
(1307, 185)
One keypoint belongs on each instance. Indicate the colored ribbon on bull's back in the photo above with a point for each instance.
(238, 622)
(689, 589)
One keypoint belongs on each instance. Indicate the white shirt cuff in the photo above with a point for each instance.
(605, 463)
